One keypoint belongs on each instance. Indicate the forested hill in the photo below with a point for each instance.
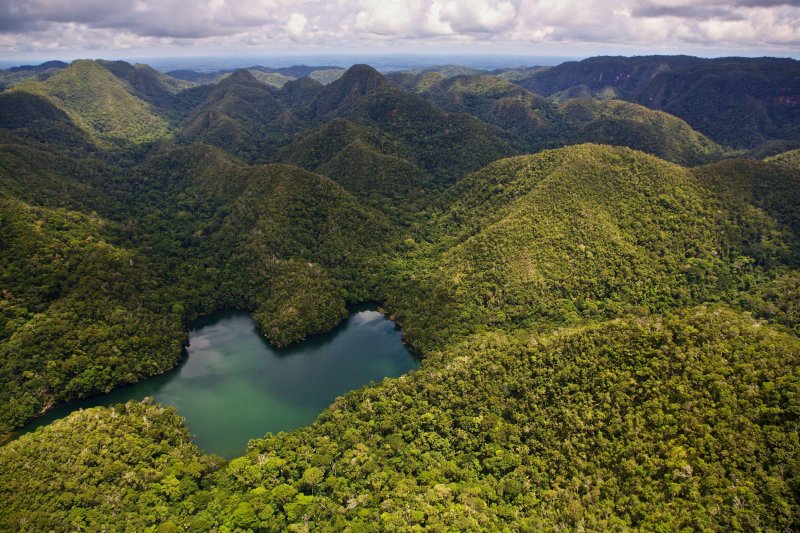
(740, 102)
(532, 122)
(602, 288)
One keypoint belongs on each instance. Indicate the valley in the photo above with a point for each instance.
(600, 278)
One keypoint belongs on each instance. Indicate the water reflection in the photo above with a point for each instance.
(234, 386)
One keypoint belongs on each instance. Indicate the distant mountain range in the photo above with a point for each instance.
(599, 263)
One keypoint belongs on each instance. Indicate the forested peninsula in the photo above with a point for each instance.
(598, 264)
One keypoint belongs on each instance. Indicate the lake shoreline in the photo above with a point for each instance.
(357, 341)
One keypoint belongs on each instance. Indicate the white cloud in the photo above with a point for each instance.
(296, 25)
(479, 15)
(398, 18)
(364, 24)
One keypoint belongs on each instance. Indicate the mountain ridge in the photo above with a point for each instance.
(608, 340)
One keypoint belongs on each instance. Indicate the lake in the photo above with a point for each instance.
(234, 386)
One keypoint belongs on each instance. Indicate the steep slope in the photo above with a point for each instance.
(533, 123)
(624, 124)
(626, 75)
(244, 116)
(320, 145)
(610, 339)
(142, 438)
(327, 76)
(79, 311)
(375, 168)
(276, 77)
(590, 232)
(37, 118)
(19, 74)
(147, 83)
(686, 421)
(343, 94)
(790, 159)
(741, 102)
(273, 79)
(291, 245)
(387, 146)
(299, 94)
(390, 183)
(770, 189)
(36, 175)
(445, 144)
(101, 104)
(195, 232)
(415, 83)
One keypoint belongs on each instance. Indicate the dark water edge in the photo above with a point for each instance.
(233, 386)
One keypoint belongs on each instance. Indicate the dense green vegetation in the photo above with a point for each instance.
(197, 232)
(588, 233)
(610, 340)
(37, 118)
(133, 463)
(148, 84)
(377, 169)
(23, 73)
(790, 159)
(533, 123)
(642, 423)
(244, 116)
(276, 77)
(100, 104)
(740, 102)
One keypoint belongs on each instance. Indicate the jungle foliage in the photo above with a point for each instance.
(609, 339)
(739, 102)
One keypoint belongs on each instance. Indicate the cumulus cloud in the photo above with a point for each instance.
(241, 24)
(482, 16)
(296, 25)
(149, 18)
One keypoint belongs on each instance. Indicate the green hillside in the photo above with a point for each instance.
(195, 232)
(300, 93)
(36, 175)
(592, 232)
(624, 124)
(22, 73)
(387, 182)
(290, 245)
(739, 102)
(343, 94)
(446, 144)
(790, 159)
(390, 148)
(685, 421)
(273, 79)
(146, 82)
(244, 116)
(139, 446)
(534, 123)
(38, 118)
(100, 103)
(609, 337)
(374, 167)
(80, 312)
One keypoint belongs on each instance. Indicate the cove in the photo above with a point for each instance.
(233, 386)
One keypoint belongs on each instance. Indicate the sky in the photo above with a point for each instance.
(68, 29)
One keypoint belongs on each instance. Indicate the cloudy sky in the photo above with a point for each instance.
(141, 28)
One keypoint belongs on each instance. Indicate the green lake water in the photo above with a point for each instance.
(234, 386)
